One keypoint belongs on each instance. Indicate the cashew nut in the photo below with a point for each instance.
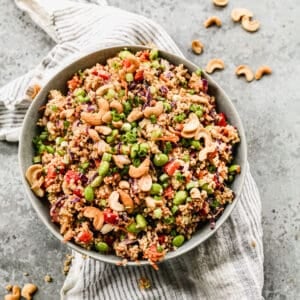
(105, 130)
(152, 203)
(113, 202)
(214, 64)
(121, 160)
(221, 3)
(117, 124)
(15, 295)
(103, 105)
(238, 13)
(96, 214)
(192, 124)
(117, 106)
(107, 228)
(246, 71)
(214, 20)
(92, 118)
(107, 117)
(142, 169)
(197, 46)
(28, 290)
(34, 176)
(104, 89)
(135, 115)
(195, 193)
(126, 200)
(187, 135)
(250, 25)
(262, 71)
(155, 110)
(145, 183)
(124, 185)
(208, 143)
(94, 135)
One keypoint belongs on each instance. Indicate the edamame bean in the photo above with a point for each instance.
(174, 209)
(206, 188)
(153, 54)
(133, 228)
(134, 150)
(141, 221)
(234, 169)
(164, 177)
(103, 168)
(106, 157)
(178, 240)
(157, 213)
(129, 77)
(102, 247)
(97, 181)
(110, 94)
(160, 159)
(195, 145)
(143, 149)
(190, 185)
(156, 189)
(89, 193)
(180, 197)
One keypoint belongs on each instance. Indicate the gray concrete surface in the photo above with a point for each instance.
(269, 109)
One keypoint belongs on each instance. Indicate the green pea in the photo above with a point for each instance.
(97, 181)
(80, 92)
(199, 113)
(165, 185)
(83, 99)
(159, 248)
(141, 221)
(133, 228)
(126, 127)
(54, 108)
(196, 145)
(156, 189)
(110, 139)
(102, 247)
(61, 152)
(156, 134)
(106, 156)
(103, 168)
(164, 177)
(234, 169)
(124, 54)
(157, 213)
(174, 209)
(129, 77)
(153, 119)
(160, 159)
(178, 240)
(110, 94)
(134, 150)
(89, 193)
(143, 149)
(169, 220)
(186, 158)
(180, 197)
(133, 124)
(153, 54)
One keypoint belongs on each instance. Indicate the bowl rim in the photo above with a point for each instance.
(102, 257)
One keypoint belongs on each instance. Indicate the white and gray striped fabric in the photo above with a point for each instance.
(230, 264)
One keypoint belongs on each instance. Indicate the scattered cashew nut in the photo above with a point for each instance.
(246, 71)
(155, 110)
(96, 214)
(113, 202)
(262, 71)
(214, 64)
(34, 176)
(214, 20)
(135, 115)
(238, 13)
(117, 106)
(126, 200)
(15, 295)
(221, 3)
(145, 183)
(250, 25)
(28, 290)
(197, 46)
(142, 169)
(121, 160)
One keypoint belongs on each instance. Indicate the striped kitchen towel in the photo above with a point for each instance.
(227, 266)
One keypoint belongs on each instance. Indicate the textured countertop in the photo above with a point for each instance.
(269, 109)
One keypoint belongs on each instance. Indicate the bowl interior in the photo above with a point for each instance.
(26, 151)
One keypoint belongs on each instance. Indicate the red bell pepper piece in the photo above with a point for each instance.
(126, 63)
(110, 217)
(72, 175)
(171, 167)
(139, 75)
(221, 119)
(85, 237)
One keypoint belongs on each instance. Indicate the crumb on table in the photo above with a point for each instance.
(144, 283)
(48, 278)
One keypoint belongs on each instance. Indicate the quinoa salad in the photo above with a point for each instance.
(134, 158)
